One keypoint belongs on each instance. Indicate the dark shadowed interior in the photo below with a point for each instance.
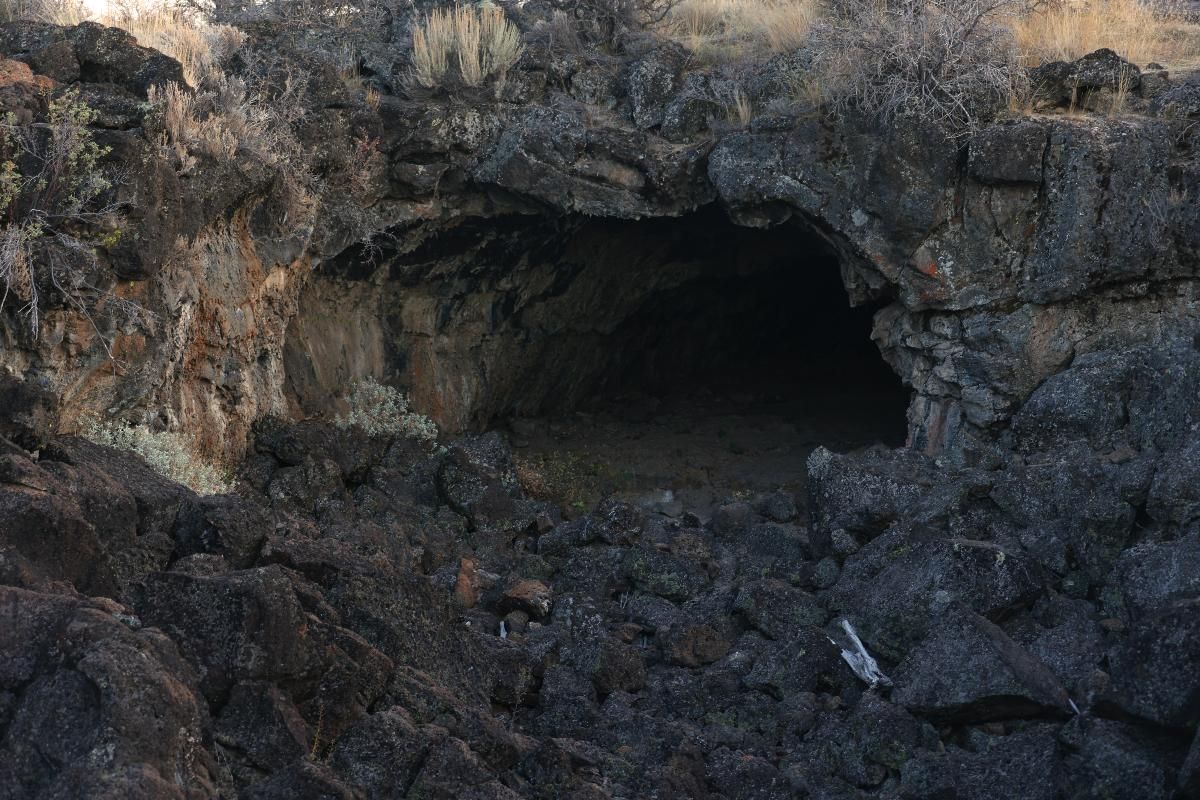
(745, 357)
(763, 318)
(536, 316)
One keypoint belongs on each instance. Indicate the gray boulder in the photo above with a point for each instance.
(1156, 670)
(968, 670)
(900, 588)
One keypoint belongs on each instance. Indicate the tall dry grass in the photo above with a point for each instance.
(479, 41)
(468, 41)
(1140, 32)
(173, 29)
(55, 12)
(726, 29)
(196, 44)
(433, 42)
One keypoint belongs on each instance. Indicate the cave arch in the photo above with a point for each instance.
(518, 315)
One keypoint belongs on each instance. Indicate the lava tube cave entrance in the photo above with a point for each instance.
(680, 358)
(721, 380)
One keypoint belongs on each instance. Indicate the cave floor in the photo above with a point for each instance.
(689, 449)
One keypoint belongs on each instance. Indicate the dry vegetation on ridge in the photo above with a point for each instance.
(1141, 32)
(1043, 30)
(471, 43)
(724, 29)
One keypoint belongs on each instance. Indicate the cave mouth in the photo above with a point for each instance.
(656, 348)
(745, 357)
(765, 317)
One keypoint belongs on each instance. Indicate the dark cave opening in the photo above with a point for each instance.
(757, 317)
(744, 357)
(696, 322)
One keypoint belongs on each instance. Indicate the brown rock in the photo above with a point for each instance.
(17, 73)
(629, 632)
(516, 621)
(696, 645)
(620, 667)
(466, 586)
(532, 597)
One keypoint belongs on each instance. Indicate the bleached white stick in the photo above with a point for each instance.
(860, 660)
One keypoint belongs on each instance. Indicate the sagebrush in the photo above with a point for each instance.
(384, 411)
(53, 190)
(166, 453)
(946, 64)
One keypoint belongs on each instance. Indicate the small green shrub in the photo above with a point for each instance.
(166, 453)
(52, 185)
(383, 411)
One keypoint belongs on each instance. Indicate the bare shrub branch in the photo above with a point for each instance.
(947, 63)
(335, 14)
(606, 22)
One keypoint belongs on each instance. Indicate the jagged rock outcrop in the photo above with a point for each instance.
(312, 635)
(1023, 571)
(1057, 237)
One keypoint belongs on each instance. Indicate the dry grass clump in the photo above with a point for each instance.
(1064, 30)
(478, 41)
(220, 120)
(728, 29)
(185, 36)
(739, 108)
(168, 454)
(227, 120)
(174, 29)
(55, 12)
(1142, 31)
(432, 41)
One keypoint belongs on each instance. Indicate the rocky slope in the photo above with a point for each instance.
(1027, 572)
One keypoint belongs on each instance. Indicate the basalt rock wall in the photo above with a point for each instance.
(1042, 238)
(1003, 257)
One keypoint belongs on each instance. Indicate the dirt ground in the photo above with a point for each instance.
(699, 444)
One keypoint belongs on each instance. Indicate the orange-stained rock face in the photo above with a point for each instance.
(209, 357)
(466, 585)
(18, 73)
(531, 596)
